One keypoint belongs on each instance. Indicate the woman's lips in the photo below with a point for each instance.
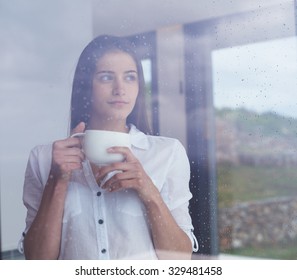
(118, 103)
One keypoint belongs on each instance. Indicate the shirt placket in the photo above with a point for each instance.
(101, 228)
(99, 214)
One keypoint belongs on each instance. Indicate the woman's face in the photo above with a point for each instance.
(115, 86)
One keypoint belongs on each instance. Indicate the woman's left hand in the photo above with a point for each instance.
(132, 175)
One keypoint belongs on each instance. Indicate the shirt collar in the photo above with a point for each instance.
(138, 138)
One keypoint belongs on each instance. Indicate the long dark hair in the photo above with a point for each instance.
(83, 78)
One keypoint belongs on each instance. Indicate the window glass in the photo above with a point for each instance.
(256, 140)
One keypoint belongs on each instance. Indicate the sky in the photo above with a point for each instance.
(261, 77)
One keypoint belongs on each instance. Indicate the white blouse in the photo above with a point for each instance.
(98, 224)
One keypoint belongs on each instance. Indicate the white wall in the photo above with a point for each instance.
(40, 45)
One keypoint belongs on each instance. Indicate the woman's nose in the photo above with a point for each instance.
(118, 87)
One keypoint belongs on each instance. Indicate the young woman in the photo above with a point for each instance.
(76, 210)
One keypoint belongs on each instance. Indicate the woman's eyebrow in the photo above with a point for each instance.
(104, 72)
(112, 72)
(131, 71)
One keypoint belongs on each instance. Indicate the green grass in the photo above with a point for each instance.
(237, 184)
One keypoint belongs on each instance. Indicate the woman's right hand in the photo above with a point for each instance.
(67, 155)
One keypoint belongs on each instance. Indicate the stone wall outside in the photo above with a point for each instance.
(258, 223)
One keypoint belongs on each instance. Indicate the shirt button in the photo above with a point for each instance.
(100, 221)
(103, 251)
(98, 193)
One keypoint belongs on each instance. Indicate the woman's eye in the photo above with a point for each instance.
(105, 77)
(131, 77)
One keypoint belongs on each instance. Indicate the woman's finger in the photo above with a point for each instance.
(125, 151)
(74, 152)
(122, 166)
(123, 184)
(121, 176)
(79, 128)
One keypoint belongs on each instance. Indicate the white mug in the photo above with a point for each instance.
(96, 143)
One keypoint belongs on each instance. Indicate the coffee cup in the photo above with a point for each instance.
(96, 142)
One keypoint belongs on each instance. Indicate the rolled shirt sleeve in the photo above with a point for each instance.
(178, 193)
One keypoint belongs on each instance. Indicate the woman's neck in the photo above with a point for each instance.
(111, 125)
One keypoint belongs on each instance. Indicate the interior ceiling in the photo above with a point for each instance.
(126, 17)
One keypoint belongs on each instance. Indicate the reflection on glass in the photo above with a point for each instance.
(256, 135)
